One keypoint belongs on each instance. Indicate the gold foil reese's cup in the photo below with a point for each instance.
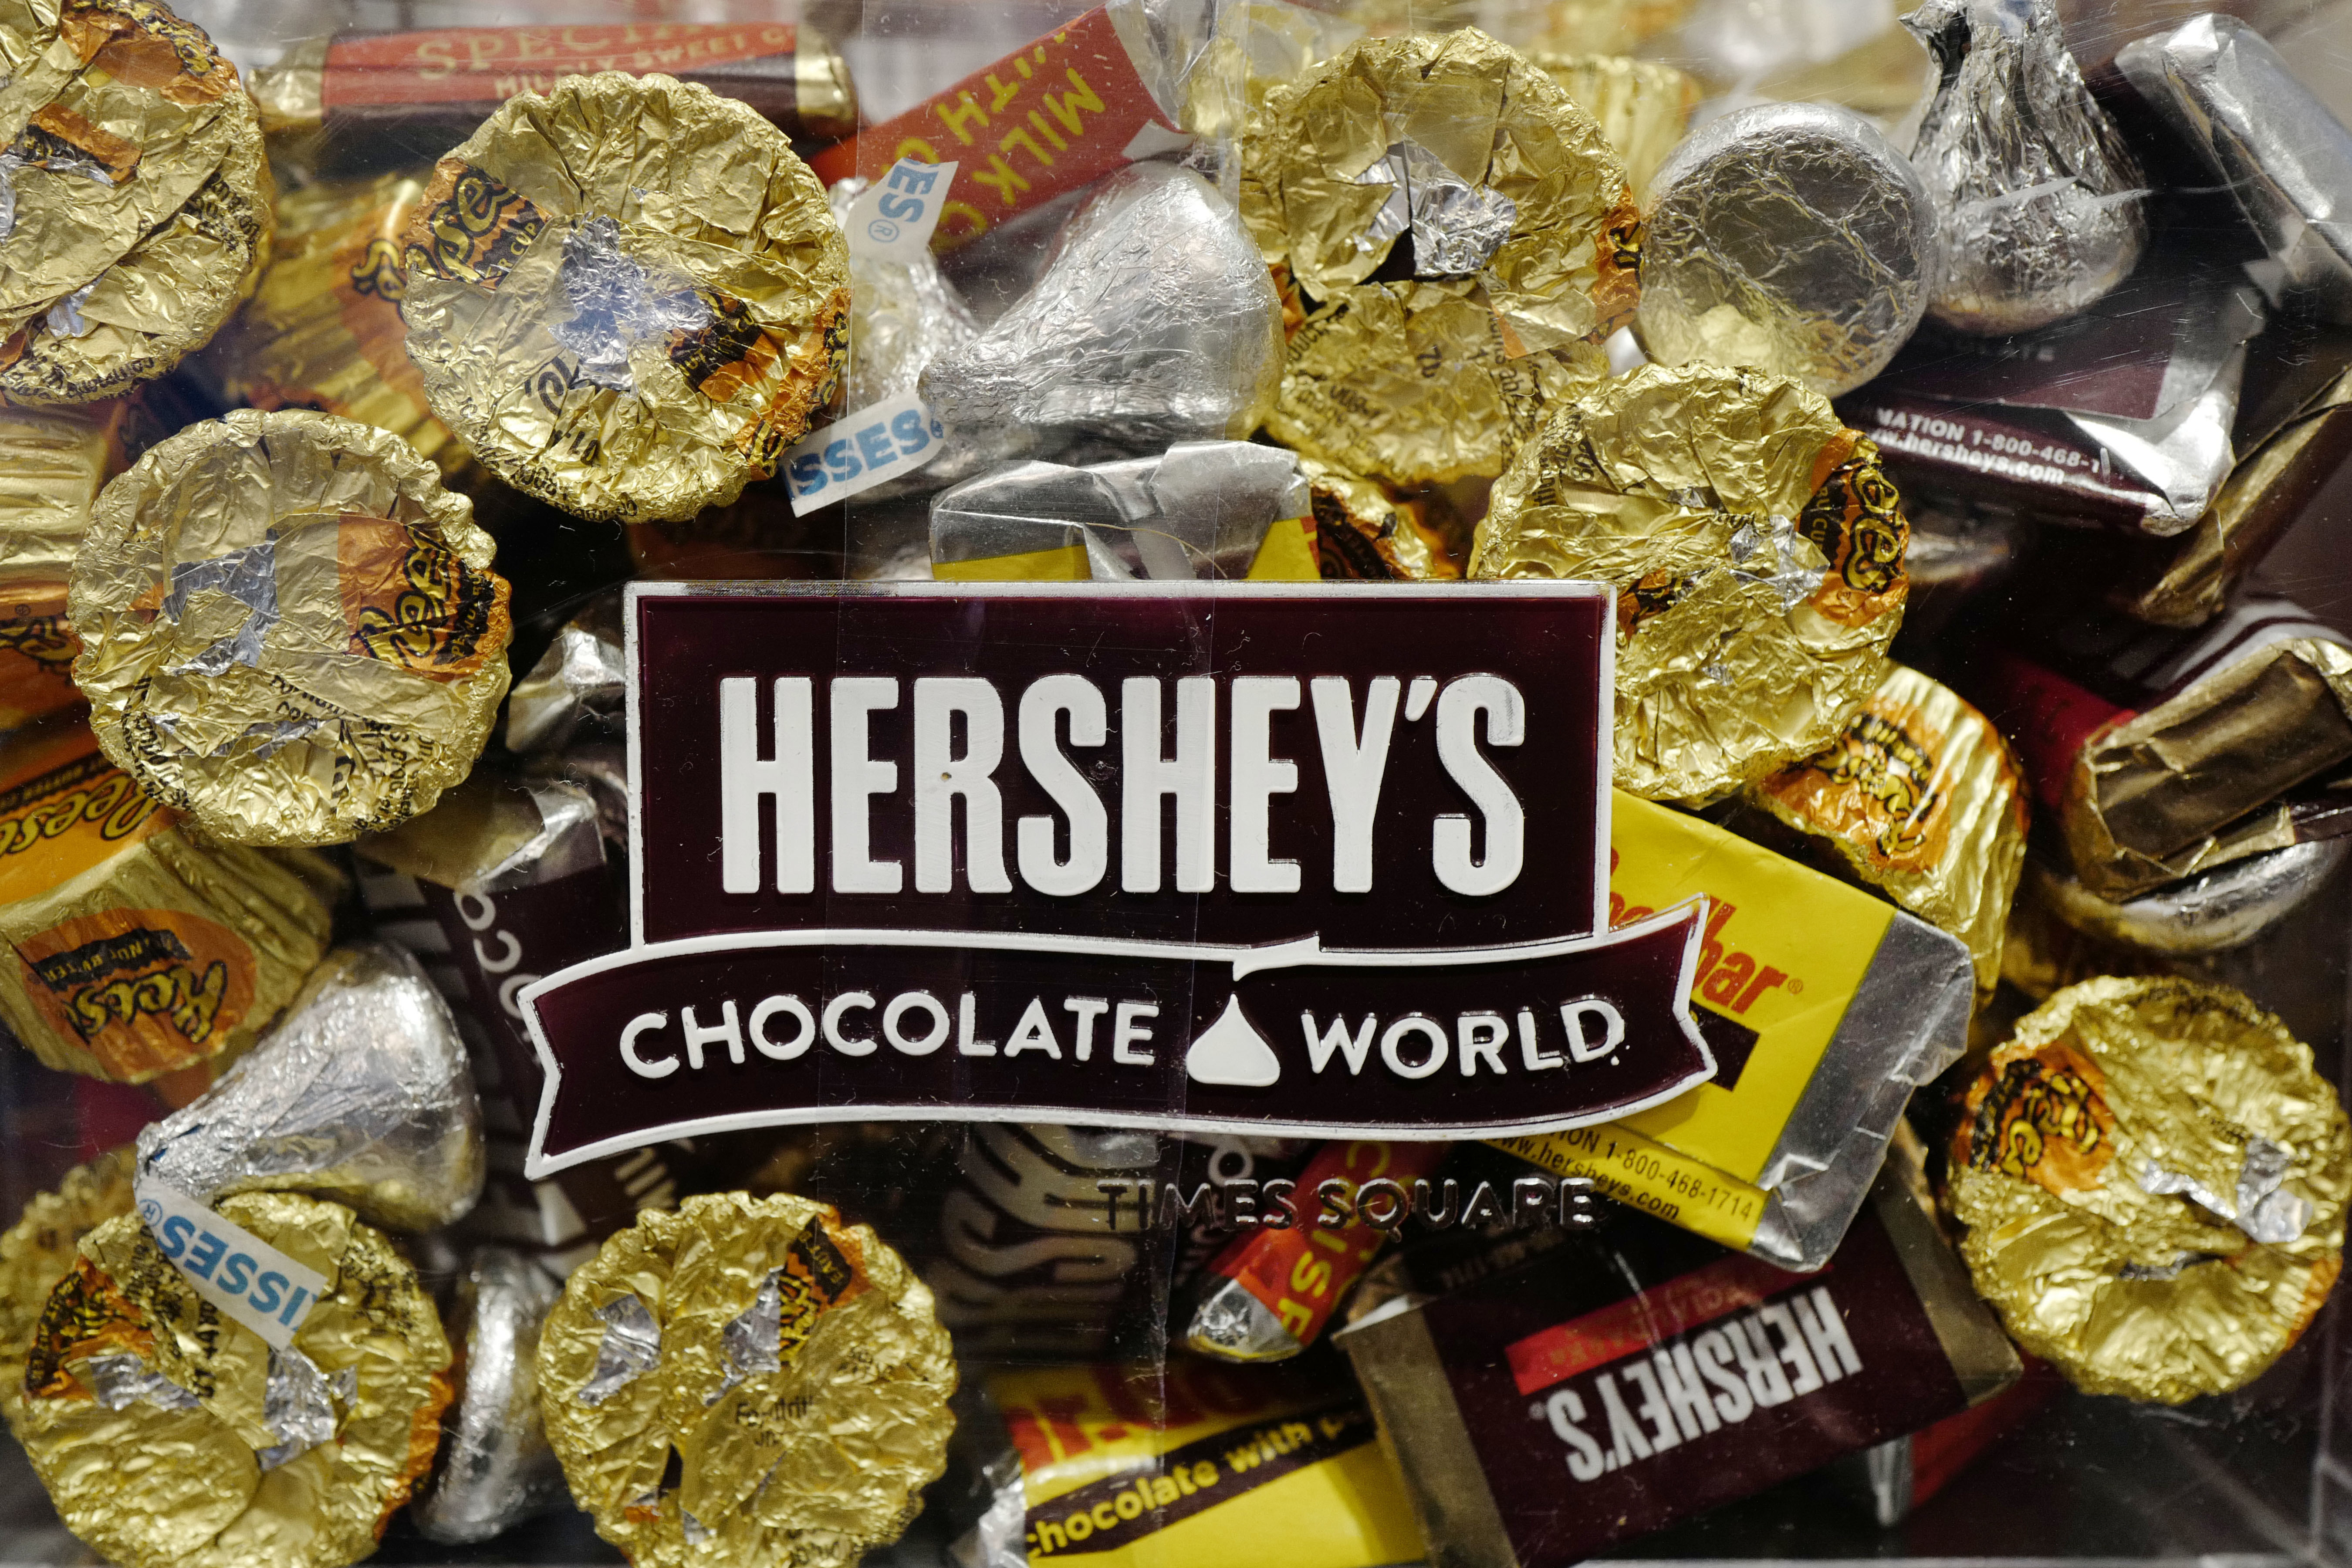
(136, 206)
(133, 947)
(746, 1381)
(170, 1436)
(39, 1250)
(1462, 237)
(628, 297)
(53, 462)
(1756, 547)
(2153, 1178)
(290, 631)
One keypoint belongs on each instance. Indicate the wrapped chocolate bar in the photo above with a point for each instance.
(494, 1468)
(362, 1094)
(2123, 413)
(1789, 236)
(39, 1250)
(135, 948)
(2040, 200)
(1637, 1375)
(383, 101)
(1463, 238)
(1643, 107)
(2153, 1180)
(1364, 532)
(2271, 140)
(1189, 1466)
(52, 462)
(627, 296)
(744, 1378)
(1271, 1292)
(1824, 1007)
(1154, 322)
(171, 1433)
(134, 200)
(1755, 544)
(1921, 799)
(1200, 509)
(290, 630)
(323, 329)
(2163, 753)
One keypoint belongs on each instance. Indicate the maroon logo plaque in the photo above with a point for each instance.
(1300, 860)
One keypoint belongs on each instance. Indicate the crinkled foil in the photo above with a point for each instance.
(1154, 322)
(2276, 146)
(362, 1093)
(52, 462)
(2041, 199)
(2153, 1180)
(1200, 509)
(578, 691)
(1643, 107)
(494, 1468)
(1921, 799)
(903, 314)
(2158, 795)
(170, 1437)
(627, 295)
(134, 947)
(134, 197)
(494, 833)
(39, 1250)
(1789, 237)
(324, 329)
(1756, 547)
(747, 1380)
(1362, 532)
(1462, 236)
(290, 630)
(2211, 912)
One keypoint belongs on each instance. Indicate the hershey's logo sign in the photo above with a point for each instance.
(1322, 860)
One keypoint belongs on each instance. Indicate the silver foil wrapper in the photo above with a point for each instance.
(2283, 155)
(1200, 509)
(362, 1094)
(2040, 201)
(1789, 237)
(1154, 322)
(494, 1468)
(902, 314)
(1233, 1324)
(578, 689)
(2214, 911)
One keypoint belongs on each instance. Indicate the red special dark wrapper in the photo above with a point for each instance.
(1541, 1414)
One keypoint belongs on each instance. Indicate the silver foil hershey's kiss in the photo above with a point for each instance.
(494, 1468)
(1155, 321)
(903, 314)
(2285, 157)
(360, 1094)
(2040, 201)
(1789, 236)
(578, 689)
(1200, 509)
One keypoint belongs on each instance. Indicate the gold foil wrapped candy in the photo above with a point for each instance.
(1643, 107)
(52, 463)
(1363, 532)
(1756, 547)
(746, 1381)
(171, 1437)
(627, 295)
(324, 331)
(290, 631)
(39, 1250)
(1464, 237)
(2153, 1180)
(134, 199)
(1920, 798)
(133, 949)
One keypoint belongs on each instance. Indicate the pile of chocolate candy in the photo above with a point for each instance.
(1928, 407)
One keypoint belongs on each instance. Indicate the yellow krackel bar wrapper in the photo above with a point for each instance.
(138, 195)
(171, 1437)
(323, 329)
(1921, 799)
(133, 947)
(53, 462)
(1824, 1007)
(1193, 1466)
